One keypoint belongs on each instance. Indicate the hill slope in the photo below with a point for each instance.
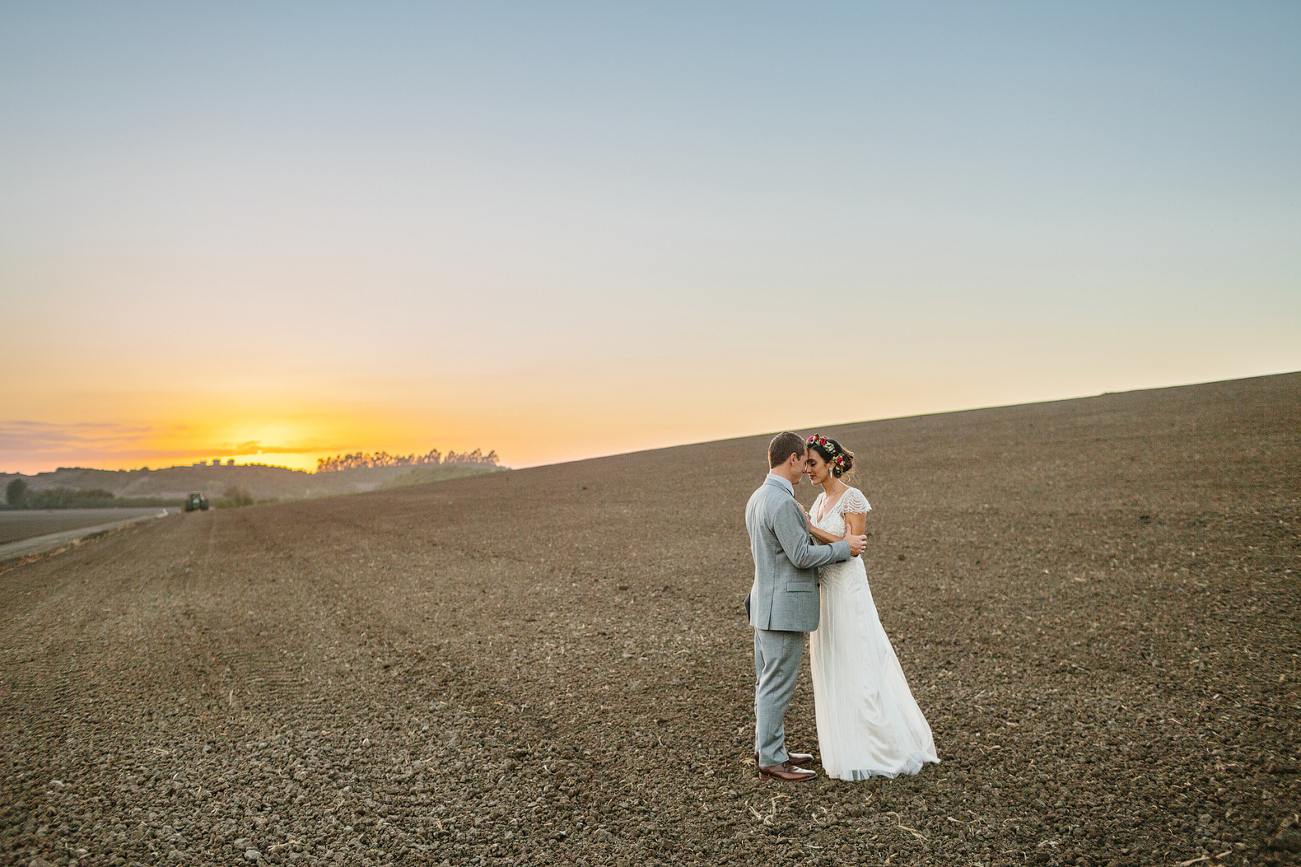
(1094, 601)
(263, 482)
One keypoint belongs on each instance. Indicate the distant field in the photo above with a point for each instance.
(438, 473)
(262, 482)
(26, 524)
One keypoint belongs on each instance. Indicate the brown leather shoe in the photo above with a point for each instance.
(802, 760)
(786, 772)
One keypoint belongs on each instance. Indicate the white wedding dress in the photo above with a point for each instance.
(868, 723)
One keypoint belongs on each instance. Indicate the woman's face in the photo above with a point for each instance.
(815, 467)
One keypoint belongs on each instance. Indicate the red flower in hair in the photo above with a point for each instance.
(825, 444)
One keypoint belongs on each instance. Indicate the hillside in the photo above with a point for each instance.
(1094, 602)
(423, 475)
(263, 482)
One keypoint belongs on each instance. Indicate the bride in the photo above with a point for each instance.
(868, 722)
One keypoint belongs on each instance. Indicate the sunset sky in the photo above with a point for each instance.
(272, 231)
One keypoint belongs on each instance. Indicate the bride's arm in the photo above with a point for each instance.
(823, 536)
(855, 522)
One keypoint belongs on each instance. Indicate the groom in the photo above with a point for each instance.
(783, 601)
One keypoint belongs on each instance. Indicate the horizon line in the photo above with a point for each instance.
(922, 415)
(760, 433)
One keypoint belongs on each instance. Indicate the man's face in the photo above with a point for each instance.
(797, 462)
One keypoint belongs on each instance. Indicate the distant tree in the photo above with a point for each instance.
(68, 498)
(360, 460)
(234, 497)
(476, 457)
(16, 492)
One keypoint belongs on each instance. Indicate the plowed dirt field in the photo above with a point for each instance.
(1095, 602)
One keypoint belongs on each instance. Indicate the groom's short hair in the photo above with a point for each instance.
(783, 446)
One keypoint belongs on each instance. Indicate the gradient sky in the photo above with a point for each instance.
(557, 230)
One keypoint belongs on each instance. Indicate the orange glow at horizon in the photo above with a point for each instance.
(525, 430)
(523, 426)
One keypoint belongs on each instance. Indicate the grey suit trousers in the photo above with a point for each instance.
(777, 658)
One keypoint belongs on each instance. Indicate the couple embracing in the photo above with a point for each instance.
(808, 578)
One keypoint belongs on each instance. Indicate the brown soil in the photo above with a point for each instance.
(1095, 601)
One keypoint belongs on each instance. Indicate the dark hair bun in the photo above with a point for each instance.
(847, 458)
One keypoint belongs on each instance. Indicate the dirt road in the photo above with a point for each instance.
(1095, 602)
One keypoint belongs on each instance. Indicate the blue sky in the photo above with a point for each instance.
(564, 229)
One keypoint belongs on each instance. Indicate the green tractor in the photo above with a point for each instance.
(196, 502)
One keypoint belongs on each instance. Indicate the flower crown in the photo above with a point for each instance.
(837, 456)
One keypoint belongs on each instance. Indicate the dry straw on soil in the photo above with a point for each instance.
(1095, 602)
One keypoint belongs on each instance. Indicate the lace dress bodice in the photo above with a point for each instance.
(852, 500)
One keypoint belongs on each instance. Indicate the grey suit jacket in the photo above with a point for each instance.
(785, 592)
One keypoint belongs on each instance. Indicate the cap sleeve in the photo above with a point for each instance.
(854, 501)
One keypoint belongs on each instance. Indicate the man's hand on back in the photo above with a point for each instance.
(856, 544)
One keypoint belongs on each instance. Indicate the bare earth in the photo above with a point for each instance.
(1095, 601)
